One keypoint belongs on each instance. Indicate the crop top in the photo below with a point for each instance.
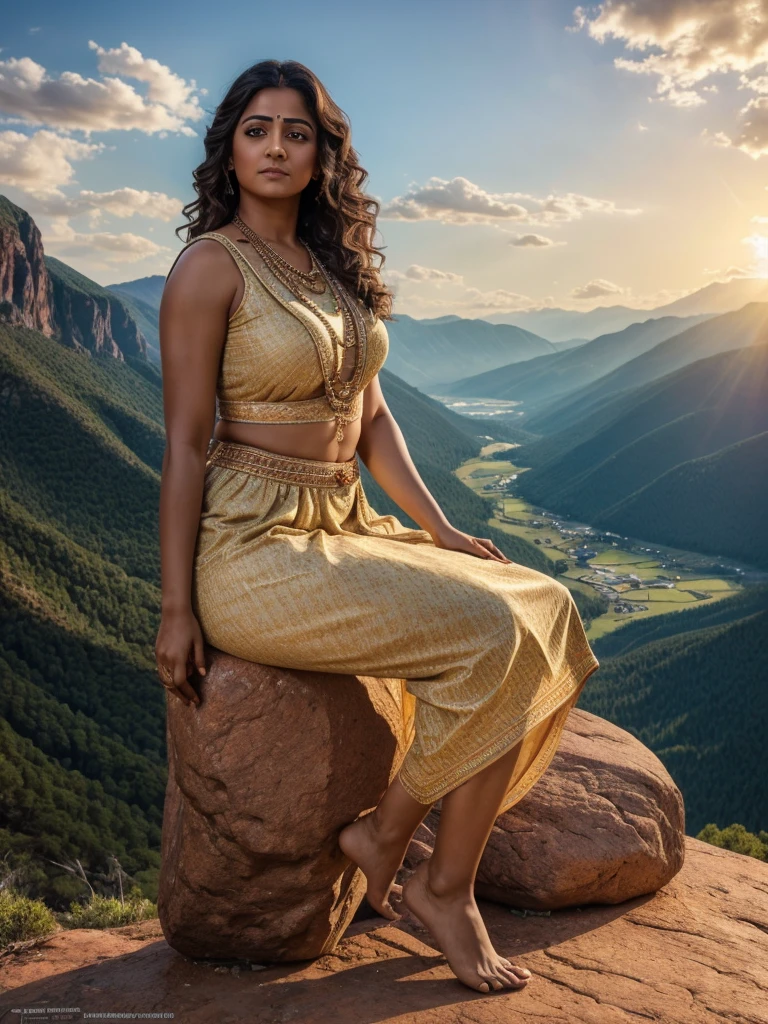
(270, 363)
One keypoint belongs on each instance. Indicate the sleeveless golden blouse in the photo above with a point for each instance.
(270, 365)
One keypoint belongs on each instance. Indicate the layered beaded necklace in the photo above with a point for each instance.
(339, 392)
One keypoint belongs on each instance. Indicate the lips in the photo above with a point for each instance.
(273, 171)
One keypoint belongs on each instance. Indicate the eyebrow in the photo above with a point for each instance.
(286, 120)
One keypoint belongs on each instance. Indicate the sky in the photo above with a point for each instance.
(526, 153)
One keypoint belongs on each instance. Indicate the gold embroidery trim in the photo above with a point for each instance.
(443, 782)
(288, 468)
(308, 410)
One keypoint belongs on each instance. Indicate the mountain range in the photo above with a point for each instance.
(561, 324)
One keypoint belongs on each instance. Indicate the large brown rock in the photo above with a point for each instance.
(262, 777)
(604, 823)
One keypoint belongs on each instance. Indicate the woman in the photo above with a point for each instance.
(269, 547)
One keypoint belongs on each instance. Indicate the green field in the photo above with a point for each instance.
(481, 470)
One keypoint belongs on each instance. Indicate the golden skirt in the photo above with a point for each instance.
(293, 568)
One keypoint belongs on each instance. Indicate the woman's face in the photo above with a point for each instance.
(275, 131)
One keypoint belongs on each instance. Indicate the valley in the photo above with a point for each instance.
(639, 579)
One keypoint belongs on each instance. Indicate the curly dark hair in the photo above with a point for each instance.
(336, 217)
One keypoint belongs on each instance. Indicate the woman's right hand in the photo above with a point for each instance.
(178, 652)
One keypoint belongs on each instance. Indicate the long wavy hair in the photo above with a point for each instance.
(336, 217)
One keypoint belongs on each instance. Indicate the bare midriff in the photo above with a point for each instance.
(301, 440)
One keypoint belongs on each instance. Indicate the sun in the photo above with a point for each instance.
(759, 245)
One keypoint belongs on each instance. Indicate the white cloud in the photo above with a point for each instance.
(62, 240)
(729, 272)
(120, 202)
(418, 273)
(534, 241)
(165, 87)
(42, 162)
(597, 288)
(460, 201)
(697, 39)
(70, 102)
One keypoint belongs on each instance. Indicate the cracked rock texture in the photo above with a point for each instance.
(695, 952)
(262, 777)
(604, 823)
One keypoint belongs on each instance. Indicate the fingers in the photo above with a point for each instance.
(188, 693)
(182, 688)
(199, 655)
(493, 552)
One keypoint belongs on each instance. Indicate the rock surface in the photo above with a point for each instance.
(251, 865)
(695, 952)
(250, 862)
(25, 288)
(604, 823)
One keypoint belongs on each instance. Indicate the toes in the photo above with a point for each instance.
(511, 978)
(484, 987)
(523, 972)
(388, 911)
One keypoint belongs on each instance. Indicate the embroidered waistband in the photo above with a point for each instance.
(289, 468)
(308, 410)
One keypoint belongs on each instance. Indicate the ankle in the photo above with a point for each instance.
(387, 833)
(447, 887)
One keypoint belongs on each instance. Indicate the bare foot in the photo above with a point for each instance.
(456, 923)
(378, 858)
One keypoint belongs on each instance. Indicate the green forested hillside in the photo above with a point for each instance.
(637, 466)
(699, 701)
(719, 504)
(146, 317)
(148, 290)
(553, 377)
(742, 327)
(429, 353)
(640, 631)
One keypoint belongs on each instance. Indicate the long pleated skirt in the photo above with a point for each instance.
(293, 568)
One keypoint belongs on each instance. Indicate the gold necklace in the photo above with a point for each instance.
(310, 278)
(339, 392)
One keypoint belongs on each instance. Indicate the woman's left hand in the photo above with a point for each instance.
(456, 540)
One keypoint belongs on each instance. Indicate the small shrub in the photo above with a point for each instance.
(109, 912)
(22, 918)
(736, 838)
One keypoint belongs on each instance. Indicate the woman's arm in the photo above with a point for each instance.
(193, 324)
(383, 449)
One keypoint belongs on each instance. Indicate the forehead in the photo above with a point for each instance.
(284, 101)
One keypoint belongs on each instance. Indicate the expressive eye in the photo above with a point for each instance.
(257, 127)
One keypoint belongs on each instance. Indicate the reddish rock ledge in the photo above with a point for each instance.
(694, 952)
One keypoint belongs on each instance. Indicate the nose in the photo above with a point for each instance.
(275, 144)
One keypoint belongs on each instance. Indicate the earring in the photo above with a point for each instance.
(228, 187)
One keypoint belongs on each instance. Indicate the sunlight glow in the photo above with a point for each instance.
(759, 245)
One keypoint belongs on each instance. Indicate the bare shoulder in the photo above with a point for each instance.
(204, 272)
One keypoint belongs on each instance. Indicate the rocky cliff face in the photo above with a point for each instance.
(91, 319)
(25, 287)
(47, 295)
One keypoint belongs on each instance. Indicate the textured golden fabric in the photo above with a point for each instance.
(270, 370)
(293, 568)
